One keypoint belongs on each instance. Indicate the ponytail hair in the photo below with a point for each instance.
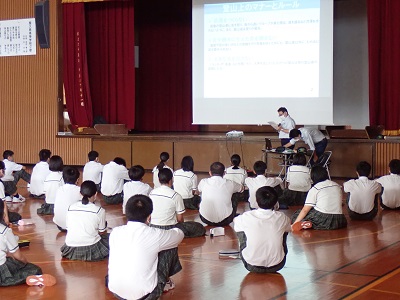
(88, 189)
(235, 160)
(164, 156)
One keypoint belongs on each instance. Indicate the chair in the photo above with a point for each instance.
(309, 153)
(324, 161)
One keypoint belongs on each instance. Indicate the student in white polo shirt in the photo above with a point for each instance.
(262, 234)
(363, 194)
(168, 208)
(391, 186)
(51, 184)
(142, 258)
(39, 174)
(254, 183)
(8, 216)
(164, 157)
(216, 206)
(185, 183)
(93, 169)
(237, 174)
(135, 186)
(85, 221)
(67, 194)
(114, 175)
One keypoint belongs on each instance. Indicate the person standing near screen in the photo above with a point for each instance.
(284, 127)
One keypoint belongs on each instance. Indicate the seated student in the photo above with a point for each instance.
(164, 157)
(391, 186)
(39, 174)
(298, 177)
(67, 194)
(135, 186)
(237, 174)
(8, 217)
(168, 208)
(323, 206)
(262, 234)
(93, 169)
(254, 183)
(216, 206)
(185, 183)
(51, 184)
(363, 194)
(114, 175)
(142, 258)
(13, 173)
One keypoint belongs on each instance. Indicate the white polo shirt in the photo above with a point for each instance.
(326, 197)
(10, 168)
(236, 175)
(8, 243)
(185, 182)
(362, 194)
(254, 183)
(391, 190)
(51, 184)
(156, 182)
(289, 124)
(132, 263)
(84, 223)
(38, 176)
(114, 176)
(92, 171)
(264, 229)
(132, 188)
(216, 194)
(66, 195)
(299, 178)
(310, 136)
(166, 205)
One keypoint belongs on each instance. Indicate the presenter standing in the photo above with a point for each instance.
(284, 127)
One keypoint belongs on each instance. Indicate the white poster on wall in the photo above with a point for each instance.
(18, 37)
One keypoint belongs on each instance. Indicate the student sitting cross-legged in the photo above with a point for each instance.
(391, 186)
(114, 175)
(262, 234)
(168, 208)
(39, 174)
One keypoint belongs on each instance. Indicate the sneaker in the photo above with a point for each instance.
(41, 280)
(169, 286)
(9, 199)
(301, 225)
(18, 199)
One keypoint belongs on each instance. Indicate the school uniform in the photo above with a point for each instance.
(50, 186)
(216, 207)
(263, 249)
(67, 195)
(185, 183)
(289, 124)
(142, 259)
(299, 181)
(39, 174)
(238, 175)
(254, 183)
(132, 188)
(92, 171)
(156, 181)
(325, 198)
(391, 191)
(83, 241)
(314, 138)
(114, 176)
(362, 198)
(12, 174)
(13, 217)
(12, 271)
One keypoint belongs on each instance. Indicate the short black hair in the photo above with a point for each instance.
(138, 208)
(136, 173)
(294, 133)
(259, 167)
(282, 109)
(70, 175)
(299, 159)
(88, 189)
(120, 161)
(92, 155)
(7, 154)
(44, 154)
(165, 175)
(187, 163)
(319, 174)
(217, 169)
(394, 166)
(266, 197)
(164, 156)
(363, 168)
(56, 163)
(235, 160)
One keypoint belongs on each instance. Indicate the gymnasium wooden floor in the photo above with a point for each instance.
(360, 262)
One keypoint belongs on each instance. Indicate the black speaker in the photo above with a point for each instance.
(42, 23)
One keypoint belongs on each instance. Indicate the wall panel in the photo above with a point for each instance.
(385, 152)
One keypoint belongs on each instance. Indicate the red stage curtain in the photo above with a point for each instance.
(164, 77)
(384, 63)
(110, 42)
(76, 83)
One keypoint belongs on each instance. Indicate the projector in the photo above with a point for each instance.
(234, 134)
